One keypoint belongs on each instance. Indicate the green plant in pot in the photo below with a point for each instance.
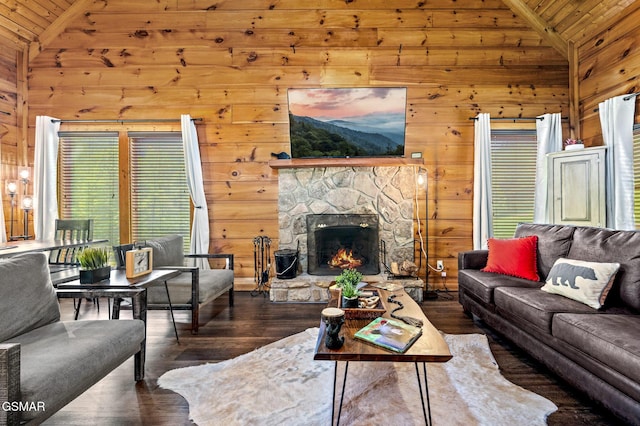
(348, 282)
(94, 264)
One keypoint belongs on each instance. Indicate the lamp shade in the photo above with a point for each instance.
(27, 202)
(11, 187)
(24, 173)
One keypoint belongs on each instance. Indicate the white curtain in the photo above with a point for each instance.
(45, 200)
(549, 136)
(193, 166)
(482, 205)
(616, 119)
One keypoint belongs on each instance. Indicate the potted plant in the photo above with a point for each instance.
(94, 265)
(571, 144)
(348, 282)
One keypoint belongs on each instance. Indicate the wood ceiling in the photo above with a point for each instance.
(34, 22)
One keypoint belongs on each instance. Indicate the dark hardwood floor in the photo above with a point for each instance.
(254, 322)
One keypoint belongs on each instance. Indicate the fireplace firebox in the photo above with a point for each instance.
(339, 241)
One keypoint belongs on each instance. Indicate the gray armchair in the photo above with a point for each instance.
(194, 284)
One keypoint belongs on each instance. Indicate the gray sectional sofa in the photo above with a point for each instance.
(45, 363)
(595, 350)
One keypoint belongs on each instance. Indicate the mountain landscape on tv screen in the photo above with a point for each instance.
(372, 135)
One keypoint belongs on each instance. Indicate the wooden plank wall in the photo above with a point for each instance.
(609, 66)
(232, 61)
(9, 130)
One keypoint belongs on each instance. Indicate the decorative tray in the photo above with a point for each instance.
(365, 313)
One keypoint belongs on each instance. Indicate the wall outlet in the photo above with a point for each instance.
(439, 265)
(443, 274)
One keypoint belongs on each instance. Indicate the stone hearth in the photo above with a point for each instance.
(315, 288)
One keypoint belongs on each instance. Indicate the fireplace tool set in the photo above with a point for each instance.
(262, 264)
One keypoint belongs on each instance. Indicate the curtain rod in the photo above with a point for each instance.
(626, 98)
(514, 119)
(143, 120)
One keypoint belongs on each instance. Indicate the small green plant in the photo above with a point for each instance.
(347, 281)
(93, 258)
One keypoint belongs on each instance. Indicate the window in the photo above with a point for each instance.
(88, 181)
(152, 199)
(159, 195)
(513, 179)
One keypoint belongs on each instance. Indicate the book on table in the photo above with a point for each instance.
(390, 334)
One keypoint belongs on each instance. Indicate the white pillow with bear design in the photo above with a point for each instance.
(585, 282)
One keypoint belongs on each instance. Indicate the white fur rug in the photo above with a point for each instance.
(281, 384)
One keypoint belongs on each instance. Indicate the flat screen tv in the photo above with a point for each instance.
(347, 122)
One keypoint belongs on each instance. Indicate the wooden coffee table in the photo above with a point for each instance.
(430, 347)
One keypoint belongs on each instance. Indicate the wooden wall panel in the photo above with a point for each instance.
(11, 154)
(232, 62)
(10, 134)
(609, 65)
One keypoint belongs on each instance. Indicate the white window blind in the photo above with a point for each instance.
(160, 201)
(88, 181)
(513, 179)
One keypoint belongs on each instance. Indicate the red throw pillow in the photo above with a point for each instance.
(513, 256)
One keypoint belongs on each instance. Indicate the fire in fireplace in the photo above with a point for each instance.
(339, 241)
(344, 259)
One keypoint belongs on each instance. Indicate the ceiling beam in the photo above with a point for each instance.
(548, 33)
(79, 7)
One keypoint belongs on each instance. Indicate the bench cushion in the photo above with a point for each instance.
(60, 361)
(27, 297)
(213, 282)
(614, 340)
(607, 245)
(534, 306)
(167, 251)
(482, 284)
(554, 241)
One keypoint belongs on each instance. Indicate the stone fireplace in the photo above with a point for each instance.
(385, 191)
(339, 241)
(383, 195)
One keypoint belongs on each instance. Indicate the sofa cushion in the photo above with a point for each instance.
(533, 306)
(213, 282)
(59, 361)
(554, 241)
(167, 251)
(614, 340)
(585, 282)
(482, 284)
(27, 297)
(607, 245)
(513, 256)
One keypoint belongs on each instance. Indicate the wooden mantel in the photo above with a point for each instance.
(300, 163)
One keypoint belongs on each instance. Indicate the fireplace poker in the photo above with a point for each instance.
(262, 264)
